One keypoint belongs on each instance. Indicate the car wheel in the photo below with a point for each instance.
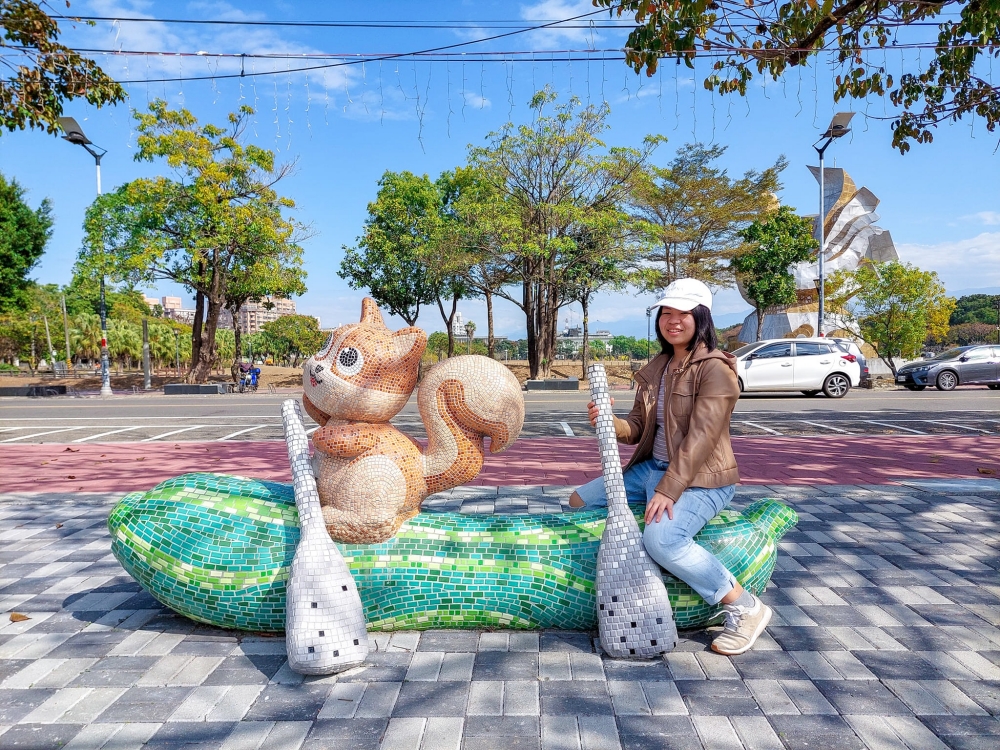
(836, 385)
(994, 386)
(912, 387)
(811, 393)
(946, 381)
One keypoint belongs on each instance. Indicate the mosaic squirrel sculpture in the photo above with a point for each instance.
(370, 476)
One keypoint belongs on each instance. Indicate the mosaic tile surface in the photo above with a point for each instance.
(371, 477)
(324, 620)
(218, 549)
(633, 610)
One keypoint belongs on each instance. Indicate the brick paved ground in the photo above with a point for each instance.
(886, 635)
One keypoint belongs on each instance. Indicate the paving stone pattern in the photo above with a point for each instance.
(886, 634)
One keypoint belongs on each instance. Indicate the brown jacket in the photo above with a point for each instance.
(700, 397)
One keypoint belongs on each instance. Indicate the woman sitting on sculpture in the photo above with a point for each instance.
(684, 469)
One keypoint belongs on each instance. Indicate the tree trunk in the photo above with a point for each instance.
(760, 323)
(201, 366)
(490, 342)
(531, 324)
(234, 368)
(196, 331)
(585, 355)
(448, 320)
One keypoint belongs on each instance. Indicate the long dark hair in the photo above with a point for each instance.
(704, 331)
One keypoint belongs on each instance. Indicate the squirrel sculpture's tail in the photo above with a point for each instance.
(461, 401)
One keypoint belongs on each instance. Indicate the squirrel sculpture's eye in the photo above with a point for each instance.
(349, 361)
(325, 351)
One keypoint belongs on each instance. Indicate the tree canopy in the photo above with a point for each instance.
(773, 246)
(975, 308)
(207, 228)
(745, 38)
(896, 307)
(24, 233)
(44, 73)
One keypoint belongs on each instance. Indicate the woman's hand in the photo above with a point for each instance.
(592, 412)
(656, 505)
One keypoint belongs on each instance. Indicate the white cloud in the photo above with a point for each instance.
(989, 218)
(550, 10)
(972, 262)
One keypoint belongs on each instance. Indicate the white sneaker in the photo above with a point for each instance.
(743, 626)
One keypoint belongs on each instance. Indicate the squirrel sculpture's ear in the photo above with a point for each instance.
(408, 345)
(370, 312)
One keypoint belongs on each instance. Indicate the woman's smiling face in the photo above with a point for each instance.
(676, 326)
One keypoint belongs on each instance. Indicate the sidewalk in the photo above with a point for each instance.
(862, 460)
(886, 634)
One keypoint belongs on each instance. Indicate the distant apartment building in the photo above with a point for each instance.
(173, 309)
(253, 315)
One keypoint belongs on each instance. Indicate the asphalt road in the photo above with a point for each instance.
(965, 411)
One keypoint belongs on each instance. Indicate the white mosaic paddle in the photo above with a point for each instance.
(324, 620)
(633, 612)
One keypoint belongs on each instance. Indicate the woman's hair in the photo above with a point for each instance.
(704, 331)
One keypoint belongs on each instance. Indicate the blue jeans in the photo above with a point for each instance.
(671, 542)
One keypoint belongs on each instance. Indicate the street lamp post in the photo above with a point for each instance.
(838, 128)
(74, 134)
(649, 317)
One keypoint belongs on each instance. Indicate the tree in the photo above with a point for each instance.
(556, 178)
(773, 246)
(293, 336)
(692, 212)
(44, 73)
(976, 308)
(220, 215)
(964, 334)
(23, 235)
(771, 37)
(895, 306)
(402, 220)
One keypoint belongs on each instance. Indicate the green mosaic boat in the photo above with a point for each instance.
(217, 549)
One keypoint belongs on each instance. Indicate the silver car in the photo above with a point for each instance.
(963, 365)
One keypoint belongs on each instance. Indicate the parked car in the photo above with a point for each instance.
(808, 365)
(851, 347)
(963, 365)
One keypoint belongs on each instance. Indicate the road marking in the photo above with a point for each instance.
(760, 427)
(567, 429)
(826, 426)
(103, 434)
(240, 432)
(959, 426)
(39, 434)
(173, 432)
(894, 426)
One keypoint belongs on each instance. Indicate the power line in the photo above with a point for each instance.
(521, 24)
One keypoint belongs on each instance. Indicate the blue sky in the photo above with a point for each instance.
(345, 126)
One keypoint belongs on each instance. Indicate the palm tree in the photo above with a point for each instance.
(85, 337)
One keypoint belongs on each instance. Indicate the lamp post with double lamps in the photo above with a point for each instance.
(74, 134)
(838, 128)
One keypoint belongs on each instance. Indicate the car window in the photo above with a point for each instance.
(774, 350)
(951, 354)
(810, 349)
(976, 355)
(746, 349)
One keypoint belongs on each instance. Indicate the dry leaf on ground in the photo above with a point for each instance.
(18, 617)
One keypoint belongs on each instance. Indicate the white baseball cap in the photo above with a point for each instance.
(685, 295)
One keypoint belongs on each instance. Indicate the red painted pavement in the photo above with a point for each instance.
(123, 467)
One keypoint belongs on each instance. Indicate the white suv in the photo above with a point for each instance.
(807, 365)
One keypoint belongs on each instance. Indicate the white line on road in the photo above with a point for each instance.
(759, 427)
(894, 426)
(39, 434)
(103, 434)
(958, 426)
(567, 429)
(826, 426)
(172, 432)
(240, 432)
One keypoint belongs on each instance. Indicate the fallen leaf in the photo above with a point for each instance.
(43, 463)
(103, 455)
(18, 617)
(71, 477)
(141, 459)
(71, 450)
(987, 472)
(934, 459)
(59, 525)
